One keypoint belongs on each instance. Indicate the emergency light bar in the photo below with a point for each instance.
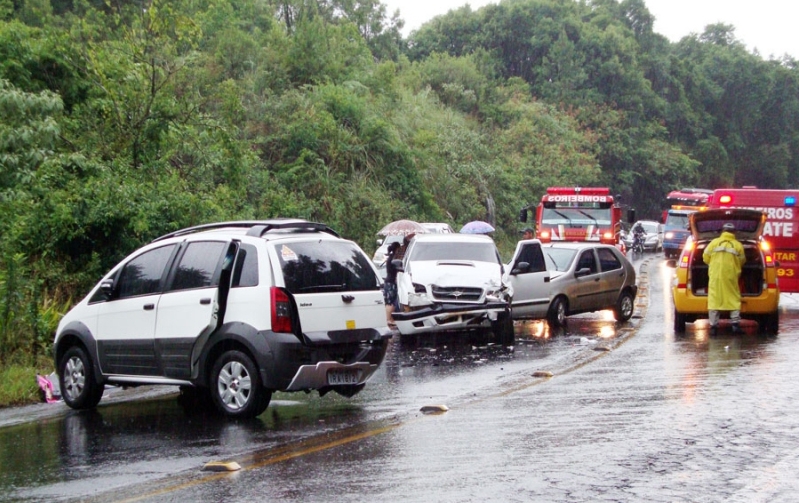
(725, 199)
(790, 200)
(588, 191)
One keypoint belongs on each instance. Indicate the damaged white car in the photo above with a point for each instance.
(453, 282)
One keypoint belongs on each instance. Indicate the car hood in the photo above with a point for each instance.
(456, 273)
(706, 225)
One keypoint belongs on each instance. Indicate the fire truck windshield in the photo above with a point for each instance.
(576, 216)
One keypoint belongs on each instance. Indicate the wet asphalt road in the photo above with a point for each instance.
(629, 414)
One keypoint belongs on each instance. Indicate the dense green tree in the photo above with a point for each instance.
(122, 120)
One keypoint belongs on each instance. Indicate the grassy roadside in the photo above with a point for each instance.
(18, 381)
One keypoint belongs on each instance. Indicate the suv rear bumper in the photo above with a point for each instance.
(298, 366)
(695, 306)
(440, 317)
(318, 376)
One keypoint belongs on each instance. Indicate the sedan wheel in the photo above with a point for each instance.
(557, 312)
(624, 306)
(236, 385)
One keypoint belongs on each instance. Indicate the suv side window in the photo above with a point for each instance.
(198, 265)
(142, 275)
(245, 270)
(608, 260)
(587, 260)
(325, 266)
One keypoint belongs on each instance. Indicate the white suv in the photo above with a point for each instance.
(453, 282)
(236, 310)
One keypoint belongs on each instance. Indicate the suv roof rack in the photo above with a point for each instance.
(256, 227)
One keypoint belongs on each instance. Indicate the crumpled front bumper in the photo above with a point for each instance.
(441, 317)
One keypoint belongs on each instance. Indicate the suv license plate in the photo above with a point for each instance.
(344, 376)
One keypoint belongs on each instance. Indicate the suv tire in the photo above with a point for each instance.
(236, 387)
(770, 323)
(79, 388)
(679, 322)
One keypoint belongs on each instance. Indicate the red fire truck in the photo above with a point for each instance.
(686, 199)
(578, 214)
(781, 229)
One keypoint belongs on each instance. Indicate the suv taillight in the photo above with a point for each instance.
(281, 310)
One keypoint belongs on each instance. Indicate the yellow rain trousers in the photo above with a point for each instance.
(724, 257)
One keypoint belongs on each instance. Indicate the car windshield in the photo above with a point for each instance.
(561, 258)
(479, 252)
(325, 266)
(679, 221)
(650, 227)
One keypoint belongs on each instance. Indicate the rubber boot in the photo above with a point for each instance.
(713, 329)
(736, 328)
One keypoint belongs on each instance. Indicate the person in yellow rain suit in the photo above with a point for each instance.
(724, 256)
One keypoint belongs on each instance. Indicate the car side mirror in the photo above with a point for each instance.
(521, 268)
(107, 287)
(523, 215)
(582, 272)
(397, 263)
(379, 242)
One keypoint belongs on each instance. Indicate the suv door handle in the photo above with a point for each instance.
(205, 301)
(347, 298)
(149, 307)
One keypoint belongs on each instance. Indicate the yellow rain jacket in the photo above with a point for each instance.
(724, 257)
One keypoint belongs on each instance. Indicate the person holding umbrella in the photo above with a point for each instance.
(390, 284)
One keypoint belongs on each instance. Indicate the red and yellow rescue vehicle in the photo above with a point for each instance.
(781, 229)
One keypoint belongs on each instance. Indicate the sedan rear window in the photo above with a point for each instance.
(325, 266)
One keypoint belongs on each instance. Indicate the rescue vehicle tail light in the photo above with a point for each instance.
(767, 255)
(544, 235)
(686, 253)
(607, 236)
(725, 199)
(790, 200)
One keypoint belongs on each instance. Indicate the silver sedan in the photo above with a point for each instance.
(555, 280)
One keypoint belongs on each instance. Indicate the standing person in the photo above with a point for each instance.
(528, 233)
(390, 284)
(724, 257)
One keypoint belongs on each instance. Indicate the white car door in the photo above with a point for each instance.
(528, 275)
(126, 322)
(188, 311)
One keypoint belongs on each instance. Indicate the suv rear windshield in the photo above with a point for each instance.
(325, 266)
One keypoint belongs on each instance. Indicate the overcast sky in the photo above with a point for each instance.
(768, 25)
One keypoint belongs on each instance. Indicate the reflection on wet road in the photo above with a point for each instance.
(630, 413)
